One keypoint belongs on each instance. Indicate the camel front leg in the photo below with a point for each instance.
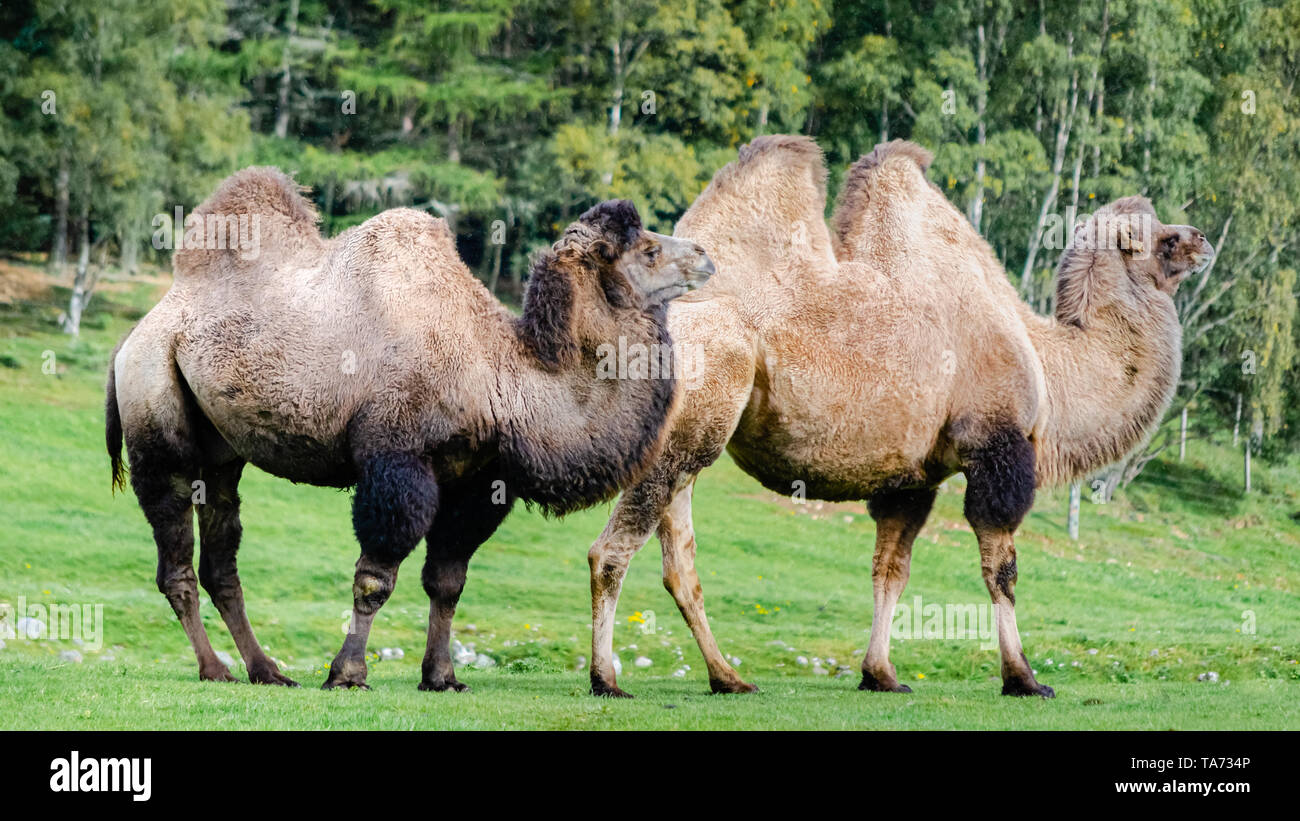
(677, 537)
(998, 566)
(638, 510)
(466, 518)
(393, 507)
(999, 492)
(899, 516)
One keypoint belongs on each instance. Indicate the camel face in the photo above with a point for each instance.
(1180, 251)
(636, 266)
(660, 268)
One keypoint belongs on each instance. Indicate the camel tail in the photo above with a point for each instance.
(113, 427)
(259, 210)
(848, 221)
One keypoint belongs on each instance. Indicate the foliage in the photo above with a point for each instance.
(527, 112)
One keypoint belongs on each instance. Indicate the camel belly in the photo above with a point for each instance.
(843, 453)
(286, 450)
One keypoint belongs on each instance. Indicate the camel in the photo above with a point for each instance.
(876, 362)
(377, 360)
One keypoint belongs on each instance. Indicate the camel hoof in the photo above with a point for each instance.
(443, 686)
(603, 690)
(875, 685)
(271, 675)
(737, 686)
(1021, 689)
(219, 672)
(344, 684)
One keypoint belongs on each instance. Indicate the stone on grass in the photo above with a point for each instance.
(31, 628)
(71, 656)
(642, 661)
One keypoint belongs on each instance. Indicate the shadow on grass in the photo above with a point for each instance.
(1192, 486)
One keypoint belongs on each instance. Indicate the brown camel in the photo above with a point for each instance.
(877, 363)
(377, 360)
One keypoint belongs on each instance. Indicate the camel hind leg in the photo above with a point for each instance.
(899, 515)
(219, 534)
(164, 460)
(158, 426)
(677, 537)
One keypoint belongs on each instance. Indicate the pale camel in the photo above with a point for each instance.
(377, 360)
(875, 364)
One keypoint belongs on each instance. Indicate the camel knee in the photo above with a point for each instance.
(608, 563)
(219, 579)
(176, 582)
(443, 581)
(371, 590)
(1000, 577)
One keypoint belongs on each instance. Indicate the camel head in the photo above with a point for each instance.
(605, 278)
(1125, 257)
(636, 265)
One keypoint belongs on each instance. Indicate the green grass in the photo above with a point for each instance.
(1160, 588)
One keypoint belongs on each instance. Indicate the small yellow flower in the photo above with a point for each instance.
(28, 565)
(920, 675)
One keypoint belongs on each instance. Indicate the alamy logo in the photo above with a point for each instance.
(128, 775)
(970, 622)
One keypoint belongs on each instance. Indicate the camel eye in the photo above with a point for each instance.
(652, 253)
(1167, 245)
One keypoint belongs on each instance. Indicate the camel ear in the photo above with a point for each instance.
(618, 224)
(1129, 235)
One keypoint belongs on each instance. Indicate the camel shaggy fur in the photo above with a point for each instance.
(376, 359)
(878, 361)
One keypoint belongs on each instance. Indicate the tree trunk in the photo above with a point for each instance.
(59, 253)
(616, 105)
(453, 140)
(976, 210)
(1236, 426)
(1072, 524)
(81, 284)
(1064, 124)
(1182, 436)
(130, 248)
(286, 73)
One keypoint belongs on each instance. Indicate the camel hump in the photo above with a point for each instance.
(781, 147)
(895, 148)
(255, 212)
(401, 247)
(850, 218)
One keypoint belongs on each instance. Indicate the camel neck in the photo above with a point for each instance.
(573, 434)
(1109, 383)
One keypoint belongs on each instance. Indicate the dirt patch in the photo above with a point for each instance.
(24, 283)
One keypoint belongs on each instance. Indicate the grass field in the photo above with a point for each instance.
(1180, 576)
